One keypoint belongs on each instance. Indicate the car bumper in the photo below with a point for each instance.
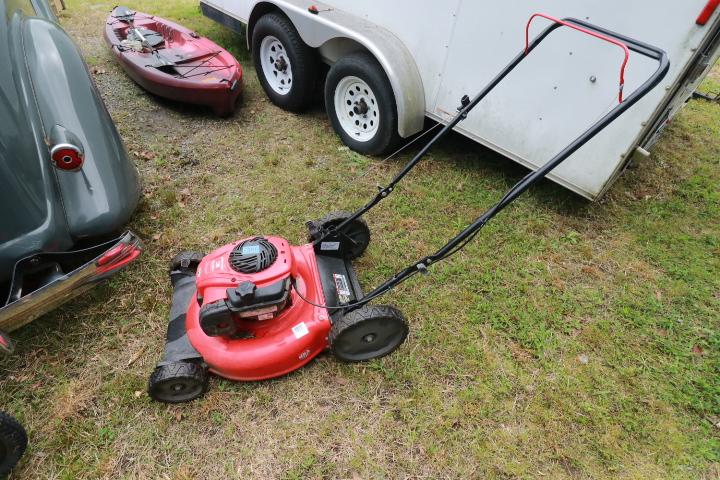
(106, 259)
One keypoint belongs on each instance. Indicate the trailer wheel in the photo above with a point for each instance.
(285, 65)
(361, 104)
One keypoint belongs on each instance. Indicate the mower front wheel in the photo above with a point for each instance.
(354, 239)
(178, 382)
(371, 331)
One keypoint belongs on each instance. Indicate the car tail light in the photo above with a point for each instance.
(66, 150)
(66, 156)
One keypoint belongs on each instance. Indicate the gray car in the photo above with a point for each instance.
(67, 187)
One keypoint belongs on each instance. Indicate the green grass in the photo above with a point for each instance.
(570, 340)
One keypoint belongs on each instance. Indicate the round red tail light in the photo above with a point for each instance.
(67, 157)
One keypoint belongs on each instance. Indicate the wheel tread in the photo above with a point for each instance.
(194, 257)
(177, 370)
(362, 314)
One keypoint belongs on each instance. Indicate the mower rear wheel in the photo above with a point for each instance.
(178, 382)
(186, 262)
(13, 441)
(355, 238)
(371, 331)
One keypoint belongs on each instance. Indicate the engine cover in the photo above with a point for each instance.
(260, 349)
(246, 281)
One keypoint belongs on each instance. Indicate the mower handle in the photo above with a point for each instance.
(461, 239)
(627, 44)
(590, 31)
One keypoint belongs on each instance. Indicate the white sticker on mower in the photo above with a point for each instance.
(330, 246)
(300, 330)
(342, 287)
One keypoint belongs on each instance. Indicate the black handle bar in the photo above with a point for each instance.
(460, 240)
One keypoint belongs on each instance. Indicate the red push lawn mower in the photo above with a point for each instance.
(259, 308)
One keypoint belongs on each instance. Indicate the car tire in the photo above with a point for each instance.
(286, 66)
(361, 105)
(13, 442)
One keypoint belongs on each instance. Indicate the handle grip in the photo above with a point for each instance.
(625, 43)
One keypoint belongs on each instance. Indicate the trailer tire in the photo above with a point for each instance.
(361, 105)
(286, 66)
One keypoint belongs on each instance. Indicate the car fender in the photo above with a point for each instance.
(100, 197)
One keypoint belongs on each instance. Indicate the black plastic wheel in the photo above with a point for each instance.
(354, 239)
(371, 331)
(13, 442)
(361, 104)
(178, 382)
(186, 262)
(280, 55)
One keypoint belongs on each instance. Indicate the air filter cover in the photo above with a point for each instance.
(253, 255)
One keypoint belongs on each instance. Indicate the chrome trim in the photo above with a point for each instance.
(20, 312)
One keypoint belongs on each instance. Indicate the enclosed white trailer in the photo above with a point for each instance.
(393, 63)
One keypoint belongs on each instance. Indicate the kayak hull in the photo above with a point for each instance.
(184, 67)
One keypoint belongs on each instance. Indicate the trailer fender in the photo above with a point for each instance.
(334, 31)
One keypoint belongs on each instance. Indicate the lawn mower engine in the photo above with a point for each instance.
(246, 319)
(240, 291)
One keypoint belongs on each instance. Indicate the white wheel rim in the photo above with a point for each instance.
(276, 65)
(357, 109)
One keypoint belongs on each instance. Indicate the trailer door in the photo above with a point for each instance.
(567, 84)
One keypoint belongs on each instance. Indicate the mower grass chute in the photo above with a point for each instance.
(259, 308)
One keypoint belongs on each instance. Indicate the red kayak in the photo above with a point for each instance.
(173, 62)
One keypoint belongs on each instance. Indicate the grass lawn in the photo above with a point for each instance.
(570, 340)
